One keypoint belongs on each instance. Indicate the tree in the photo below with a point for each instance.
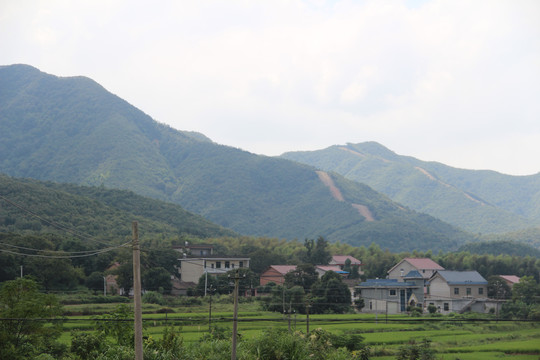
(22, 337)
(247, 281)
(157, 278)
(347, 267)
(95, 281)
(317, 252)
(304, 275)
(526, 290)
(498, 288)
(116, 324)
(331, 294)
(355, 272)
(125, 276)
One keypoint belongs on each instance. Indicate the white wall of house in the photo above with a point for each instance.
(192, 269)
(401, 270)
(439, 287)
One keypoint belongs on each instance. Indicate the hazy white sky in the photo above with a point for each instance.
(454, 81)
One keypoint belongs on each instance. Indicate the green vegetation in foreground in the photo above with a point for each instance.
(452, 337)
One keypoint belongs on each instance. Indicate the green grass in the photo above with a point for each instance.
(452, 337)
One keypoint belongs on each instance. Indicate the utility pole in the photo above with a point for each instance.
(210, 312)
(205, 278)
(308, 305)
(235, 315)
(137, 291)
(289, 313)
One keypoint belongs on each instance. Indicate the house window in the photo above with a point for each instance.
(393, 292)
(469, 291)
(480, 291)
(227, 264)
(212, 265)
(241, 264)
(218, 264)
(446, 307)
(456, 291)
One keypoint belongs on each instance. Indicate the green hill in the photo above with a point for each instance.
(31, 207)
(499, 247)
(477, 201)
(72, 130)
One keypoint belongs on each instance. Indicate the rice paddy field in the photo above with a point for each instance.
(464, 337)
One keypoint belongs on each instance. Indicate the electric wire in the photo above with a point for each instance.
(52, 223)
(65, 256)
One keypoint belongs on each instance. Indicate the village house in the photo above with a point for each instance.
(190, 269)
(340, 260)
(194, 249)
(392, 296)
(510, 280)
(425, 266)
(276, 273)
(458, 291)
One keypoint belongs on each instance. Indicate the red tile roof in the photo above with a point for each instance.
(325, 268)
(340, 260)
(283, 269)
(510, 278)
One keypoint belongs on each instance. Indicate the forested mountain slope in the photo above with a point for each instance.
(30, 206)
(72, 130)
(477, 201)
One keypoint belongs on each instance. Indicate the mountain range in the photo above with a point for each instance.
(476, 201)
(72, 130)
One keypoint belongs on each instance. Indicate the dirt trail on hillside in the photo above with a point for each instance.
(327, 180)
(433, 178)
(336, 194)
(364, 211)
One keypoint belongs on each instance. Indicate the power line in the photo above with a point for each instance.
(52, 223)
(65, 256)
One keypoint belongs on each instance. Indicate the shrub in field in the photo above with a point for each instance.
(118, 324)
(153, 297)
(92, 299)
(87, 346)
(279, 344)
(350, 341)
(169, 347)
(432, 309)
(217, 333)
(415, 351)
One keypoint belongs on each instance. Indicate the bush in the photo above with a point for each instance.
(86, 345)
(415, 351)
(153, 297)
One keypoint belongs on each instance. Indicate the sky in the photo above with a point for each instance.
(453, 81)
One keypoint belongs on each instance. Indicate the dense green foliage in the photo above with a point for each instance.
(22, 334)
(501, 247)
(477, 201)
(72, 130)
(30, 206)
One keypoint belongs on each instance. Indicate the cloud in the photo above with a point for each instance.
(430, 77)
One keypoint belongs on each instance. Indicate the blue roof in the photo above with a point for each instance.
(386, 283)
(462, 277)
(413, 274)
